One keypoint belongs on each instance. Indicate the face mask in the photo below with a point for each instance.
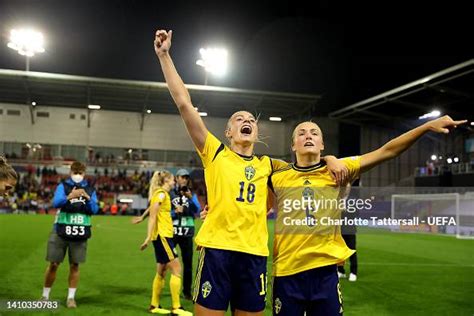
(77, 178)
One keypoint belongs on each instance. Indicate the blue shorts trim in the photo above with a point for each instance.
(229, 277)
(316, 292)
(165, 250)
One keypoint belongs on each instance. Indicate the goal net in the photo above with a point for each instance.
(440, 213)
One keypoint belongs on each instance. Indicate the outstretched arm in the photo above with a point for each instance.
(139, 219)
(194, 124)
(398, 145)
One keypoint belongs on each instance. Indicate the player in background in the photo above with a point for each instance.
(183, 224)
(160, 232)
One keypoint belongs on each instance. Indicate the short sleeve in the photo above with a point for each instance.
(158, 197)
(211, 149)
(353, 166)
(278, 164)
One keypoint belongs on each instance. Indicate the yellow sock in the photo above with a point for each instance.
(175, 288)
(158, 284)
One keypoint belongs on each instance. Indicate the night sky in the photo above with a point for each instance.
(345, 54)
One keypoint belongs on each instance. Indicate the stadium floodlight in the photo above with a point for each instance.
(213, 60)
(434, 113)
(275, 118)
(33, 103)
(472, 123)
(148, 111)
(93, 107)
(434, 157)
(449, 160)
(202, 113)
(440, 157)
(26, 42)
(456, 159)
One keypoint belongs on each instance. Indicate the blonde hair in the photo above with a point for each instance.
(259, 138)
(7, 171)
(157, 181)
(294, 131)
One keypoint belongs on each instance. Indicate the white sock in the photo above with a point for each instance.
(70, 293)
(46, 291)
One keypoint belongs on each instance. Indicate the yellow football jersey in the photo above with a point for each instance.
(237, 197)
(305, 194)
(164, 224)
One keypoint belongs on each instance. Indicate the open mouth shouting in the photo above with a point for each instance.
(246, 129)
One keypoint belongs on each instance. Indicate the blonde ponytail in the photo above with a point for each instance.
(157, 181)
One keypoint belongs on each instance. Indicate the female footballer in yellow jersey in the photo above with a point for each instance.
(305, 256)
(233, 239)
(160, 232)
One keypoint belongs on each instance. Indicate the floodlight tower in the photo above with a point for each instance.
(26, 42)
(214, 61)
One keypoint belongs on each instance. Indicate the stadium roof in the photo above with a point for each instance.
(51, 89)
(450, 91)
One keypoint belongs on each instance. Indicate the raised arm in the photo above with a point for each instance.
(398, 145)
(194, 124)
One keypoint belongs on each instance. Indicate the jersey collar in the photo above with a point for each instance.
(308, 168)
(248, 158)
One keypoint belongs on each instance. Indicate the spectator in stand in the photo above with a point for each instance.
(114, 209)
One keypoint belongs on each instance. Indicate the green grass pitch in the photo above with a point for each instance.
(399, 274)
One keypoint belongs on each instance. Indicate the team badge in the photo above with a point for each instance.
(206, 289)
(308, 193)
(249, 172)
(277, 305)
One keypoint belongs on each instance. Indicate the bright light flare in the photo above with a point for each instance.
(26, 42)
(213, 60)
(434, 113)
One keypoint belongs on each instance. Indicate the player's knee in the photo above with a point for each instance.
(74, 266)
(161, 269)
(53, 266)
(175, 267)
